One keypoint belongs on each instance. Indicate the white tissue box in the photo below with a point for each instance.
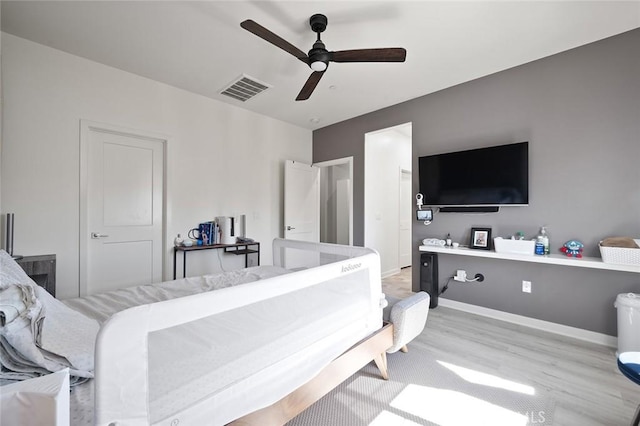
(501, 245)
(40, 401)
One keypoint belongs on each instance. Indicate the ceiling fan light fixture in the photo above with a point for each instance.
(318, 66)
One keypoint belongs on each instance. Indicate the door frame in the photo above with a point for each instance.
(401, 174)
(338, 162)
(86, 127)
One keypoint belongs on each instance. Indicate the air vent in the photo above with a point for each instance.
(244, 88)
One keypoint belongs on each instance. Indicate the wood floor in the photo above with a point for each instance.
(581, 378)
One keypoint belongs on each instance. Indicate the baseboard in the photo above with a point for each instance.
(564, 330)
(393, 271)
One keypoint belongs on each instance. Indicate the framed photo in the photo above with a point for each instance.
(480, 238)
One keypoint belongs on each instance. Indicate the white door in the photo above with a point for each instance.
(301, 208)
(301, 201)
(336, 216)
(405, 215)
(122, 186)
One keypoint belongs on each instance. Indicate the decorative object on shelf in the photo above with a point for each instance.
(572, 248)
(620, 250)
(513, 246)
(434, 242)
(448, 240)
(178, 240)
(480, 238)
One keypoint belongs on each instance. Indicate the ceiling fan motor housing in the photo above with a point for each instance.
(318, 23)
(318, 53)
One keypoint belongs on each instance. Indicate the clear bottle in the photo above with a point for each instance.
(545, 240)
(448, 240)
(178, 241)
(542, 242)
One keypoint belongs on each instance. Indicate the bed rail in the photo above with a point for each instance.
(122, 384)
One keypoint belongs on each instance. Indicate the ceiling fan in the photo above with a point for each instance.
(319, 57)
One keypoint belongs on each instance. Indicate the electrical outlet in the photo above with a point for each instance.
(526, 286)
(461, 275)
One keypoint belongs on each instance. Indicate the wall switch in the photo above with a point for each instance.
(526, 286)
(461, 275)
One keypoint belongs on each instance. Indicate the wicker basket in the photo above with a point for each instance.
(621, 255)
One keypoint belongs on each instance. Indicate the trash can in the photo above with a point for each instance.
(628, 305)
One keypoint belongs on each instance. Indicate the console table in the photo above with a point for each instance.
(238, 249)
(41, 269)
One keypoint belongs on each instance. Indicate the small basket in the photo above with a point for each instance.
(620, 255)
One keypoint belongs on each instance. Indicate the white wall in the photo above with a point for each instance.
(221, 160)
(386, 152)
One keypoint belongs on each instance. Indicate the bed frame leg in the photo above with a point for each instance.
(404, 349)
(381, 363)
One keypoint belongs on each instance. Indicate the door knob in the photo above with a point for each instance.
(98, 235)
(289, 228)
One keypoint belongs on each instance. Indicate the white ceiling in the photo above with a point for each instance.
(200, 47)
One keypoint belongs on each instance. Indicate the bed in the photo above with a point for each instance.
(259, 349)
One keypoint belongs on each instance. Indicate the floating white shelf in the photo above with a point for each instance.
(552, 259)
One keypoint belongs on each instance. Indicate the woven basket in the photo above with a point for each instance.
(620, 255)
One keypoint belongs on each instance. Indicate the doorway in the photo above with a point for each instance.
(387, 201)
(405, 216)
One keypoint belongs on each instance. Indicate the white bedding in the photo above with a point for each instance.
(36, 338)
(176, 352)
(102, 306)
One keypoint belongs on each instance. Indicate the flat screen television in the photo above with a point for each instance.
(491, 176)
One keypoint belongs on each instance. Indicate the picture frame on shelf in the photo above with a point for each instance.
(480, 238)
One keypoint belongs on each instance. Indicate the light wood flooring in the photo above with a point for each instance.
(581, 378)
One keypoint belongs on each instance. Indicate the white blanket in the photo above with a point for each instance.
(35, 338)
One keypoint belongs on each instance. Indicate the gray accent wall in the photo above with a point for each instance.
(580, 112)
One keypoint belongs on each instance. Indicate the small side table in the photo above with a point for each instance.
(41, 269)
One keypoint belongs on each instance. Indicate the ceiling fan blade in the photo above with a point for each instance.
(310, 85)
(274, 39)
(391, 54)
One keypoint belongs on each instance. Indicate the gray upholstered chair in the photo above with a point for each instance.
(408, 317)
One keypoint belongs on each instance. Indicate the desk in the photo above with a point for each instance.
(238, 249)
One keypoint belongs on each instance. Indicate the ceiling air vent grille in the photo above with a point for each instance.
(245, 88)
